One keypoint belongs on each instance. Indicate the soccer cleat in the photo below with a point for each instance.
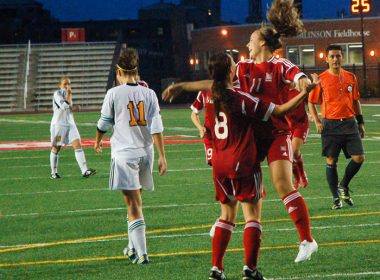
(304, 181)
(55, 176)
(130, 253)
(306, 249)
(88, 173)
(249, 274)
(337, 204)
(141, 260)
(344, 194)
(216, 274)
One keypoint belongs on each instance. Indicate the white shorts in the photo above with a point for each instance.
(63, 135)
(132, 174)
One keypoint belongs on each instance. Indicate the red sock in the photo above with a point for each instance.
(222, 236)
(298, 212)
(252, 243)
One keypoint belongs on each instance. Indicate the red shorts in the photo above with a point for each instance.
(241, 189)
(280, 149)
(208, 150)
(300, 131)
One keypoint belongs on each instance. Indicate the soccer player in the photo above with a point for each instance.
(133, 112)
(203, 100)
(63, 130)
(338, 96)
(265, 76)
(236, 170)
(299, 125)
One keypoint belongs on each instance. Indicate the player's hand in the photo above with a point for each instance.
(162, 166)
(98, 147)
(361, 130)
(319, 126)
(68, 89)
(76, 108)
(171, 92)
(314, 82)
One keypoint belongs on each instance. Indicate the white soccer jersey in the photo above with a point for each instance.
(134, 113)
(61, 108)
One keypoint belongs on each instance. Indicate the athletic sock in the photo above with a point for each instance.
(81, 160)
(332, 179)
(252, 243)
(130, 242)
(351, 169)
(136, 229)
(54, 157)
(297, 210)
(222, 236)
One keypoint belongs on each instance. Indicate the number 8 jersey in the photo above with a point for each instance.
(233, 136)
(134, 113)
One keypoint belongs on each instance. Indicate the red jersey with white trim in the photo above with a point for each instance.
(203, 100)
(298, 115)
(266, 81)
(234, 152)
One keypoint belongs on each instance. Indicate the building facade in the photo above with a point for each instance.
(306, 50)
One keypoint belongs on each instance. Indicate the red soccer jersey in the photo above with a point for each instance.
(298, 115)
(234, 151)
(203, 100)
(266, 80)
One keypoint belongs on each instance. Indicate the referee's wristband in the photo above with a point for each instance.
(359, 119)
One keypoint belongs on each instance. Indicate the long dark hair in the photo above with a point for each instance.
(286, 23)
(219, 67)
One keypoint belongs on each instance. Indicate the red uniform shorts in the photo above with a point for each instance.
(241, 189)
(208, 149)
(280, 149)
(300, 131)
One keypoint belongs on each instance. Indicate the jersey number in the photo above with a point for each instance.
(140, 107)
(221, 128)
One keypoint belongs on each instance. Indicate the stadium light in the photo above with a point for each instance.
(372, 53)
(224, 32)
(191, 61)
(242, 58)
(321, 55)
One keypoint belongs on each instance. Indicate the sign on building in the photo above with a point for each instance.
(72, 35)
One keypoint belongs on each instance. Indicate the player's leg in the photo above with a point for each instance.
(57, 134)
(79, 154)
(298, 166)
(252, 238)
(222, 236)
(54, 158)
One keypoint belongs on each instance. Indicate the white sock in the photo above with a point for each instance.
(54, 162)
(81, 159)
(136, 229)
(130, 242)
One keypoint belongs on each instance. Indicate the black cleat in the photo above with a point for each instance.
(344, 194)
(88, 173)
(55, 176)
(249, 274)
(337, 204)
(216, 274)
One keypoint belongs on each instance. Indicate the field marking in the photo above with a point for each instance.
(156, 206)
(202, 234)
(322, 276)
(55, 243)
(186, 253)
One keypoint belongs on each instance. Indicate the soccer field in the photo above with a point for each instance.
(75, 228)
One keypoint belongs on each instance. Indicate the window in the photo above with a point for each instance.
(301, 55)
(355, 54)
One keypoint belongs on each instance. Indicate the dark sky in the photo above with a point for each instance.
(235, 10)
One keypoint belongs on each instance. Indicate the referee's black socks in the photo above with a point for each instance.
(332, 179)
(351, 169)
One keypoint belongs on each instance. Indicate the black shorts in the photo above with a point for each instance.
(340, 135)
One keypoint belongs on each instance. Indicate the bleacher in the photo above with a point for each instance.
(86, 64)
(11, 73)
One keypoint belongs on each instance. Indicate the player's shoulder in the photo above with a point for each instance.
(245, 63)
(348, 74)
(282, 61)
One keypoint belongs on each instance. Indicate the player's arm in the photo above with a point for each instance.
(159, 142)
(359, 117)
(105, 122)
(98, 140)
(174, 90)
(197, 123)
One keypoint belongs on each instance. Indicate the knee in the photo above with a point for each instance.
(331, 161)
(358, 159)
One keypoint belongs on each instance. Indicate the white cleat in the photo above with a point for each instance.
(306, 250)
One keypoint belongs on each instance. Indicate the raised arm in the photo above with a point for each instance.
(174, 90)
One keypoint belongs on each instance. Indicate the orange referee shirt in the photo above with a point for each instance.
(336, 94)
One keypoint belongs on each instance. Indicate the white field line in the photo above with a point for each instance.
(335, 275)
(155, 171)
(42, 122)
(196, 234)
(159, 206)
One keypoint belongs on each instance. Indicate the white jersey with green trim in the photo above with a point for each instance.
(134, 113)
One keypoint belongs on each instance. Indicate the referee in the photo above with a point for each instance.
(338, 97)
